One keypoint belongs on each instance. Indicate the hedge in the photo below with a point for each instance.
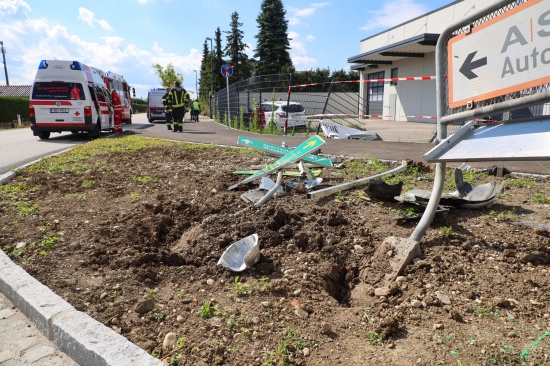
(10, 107)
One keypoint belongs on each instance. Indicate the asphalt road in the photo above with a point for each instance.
(18, 146)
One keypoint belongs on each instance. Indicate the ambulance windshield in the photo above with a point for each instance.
(58, 90)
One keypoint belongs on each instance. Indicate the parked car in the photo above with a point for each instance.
(278, 109)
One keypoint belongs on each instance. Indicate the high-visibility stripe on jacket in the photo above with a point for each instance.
(167, 102)
(196, 106)
(180, 98)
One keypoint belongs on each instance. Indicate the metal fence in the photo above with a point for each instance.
(319, 97)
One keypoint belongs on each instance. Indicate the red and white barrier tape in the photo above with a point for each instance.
(430, 117)
(347, 115)
(410, 78)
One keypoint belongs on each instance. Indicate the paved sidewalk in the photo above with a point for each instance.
(22, 344)
(396, 146)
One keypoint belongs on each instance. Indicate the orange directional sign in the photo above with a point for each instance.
(508, 53)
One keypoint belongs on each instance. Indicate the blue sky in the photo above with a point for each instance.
(128, 36)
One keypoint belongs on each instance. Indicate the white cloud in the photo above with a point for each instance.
(298, 52)
(88, 17)
(394, 12)
(30, 40)
(297, 14)
(13, 7)
(105, 25)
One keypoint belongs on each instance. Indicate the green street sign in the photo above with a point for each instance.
(292, 156)
(280, 151)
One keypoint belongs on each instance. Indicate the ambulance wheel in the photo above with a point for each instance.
(128, 121)
(96, 132)
(151, 120)
(43, 135)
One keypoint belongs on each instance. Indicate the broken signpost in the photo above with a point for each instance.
(290, 157)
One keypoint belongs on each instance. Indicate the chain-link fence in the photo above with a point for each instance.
(319, 98)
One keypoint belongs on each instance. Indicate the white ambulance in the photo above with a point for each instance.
(155, 108)
(69, 96)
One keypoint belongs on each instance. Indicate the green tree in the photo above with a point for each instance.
(234, 49)
(219, 79)
(272, 39)
(167, 75)
(205, 82)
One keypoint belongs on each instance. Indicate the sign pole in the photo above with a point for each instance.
(228, 114)
(227, 71)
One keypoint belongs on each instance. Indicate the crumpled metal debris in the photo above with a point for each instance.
(241, 254)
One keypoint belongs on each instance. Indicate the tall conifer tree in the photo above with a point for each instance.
(234, 49)
(272, 39)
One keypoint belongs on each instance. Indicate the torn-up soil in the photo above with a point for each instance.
(133, 237)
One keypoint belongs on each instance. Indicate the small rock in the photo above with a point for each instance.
(292, 247)
(358, 249)
(297, 292)
(400, 279)
(301, 313)
(416, 303)
(117, 329)
(103, 295)
(209, 282)
(21, 245)
(256, 320)
(265, 304)
(455, 315)
(306, 352)
(238, 337)
(179, 318)
(326, 328)
(445, 300)
(438, 326)
(381, 291)
(116, 227)
(145, 306)
(169, 340)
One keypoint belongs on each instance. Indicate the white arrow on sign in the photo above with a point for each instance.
(506, 54)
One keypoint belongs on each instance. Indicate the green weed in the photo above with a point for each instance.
(242, 289)
(504, 216)
(373, 338)
(134, 198)
(88, 183)
(143, 179)
(207, 310)
(158, 315)
(446, 230)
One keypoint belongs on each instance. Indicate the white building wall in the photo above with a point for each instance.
(416, 98)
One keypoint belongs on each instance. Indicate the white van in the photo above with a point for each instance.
(69, 96)
(155, 108)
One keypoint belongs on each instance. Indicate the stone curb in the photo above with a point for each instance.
(79, 336)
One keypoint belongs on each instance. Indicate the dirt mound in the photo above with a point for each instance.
(132, 238)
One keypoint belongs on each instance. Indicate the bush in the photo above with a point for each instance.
(139, 106)
(10, 107)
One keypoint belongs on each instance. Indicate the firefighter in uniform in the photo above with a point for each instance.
(196, 110)
(180, 99)
(167, 102)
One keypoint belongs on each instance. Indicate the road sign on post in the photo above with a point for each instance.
(227, 71)
(503, 55)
